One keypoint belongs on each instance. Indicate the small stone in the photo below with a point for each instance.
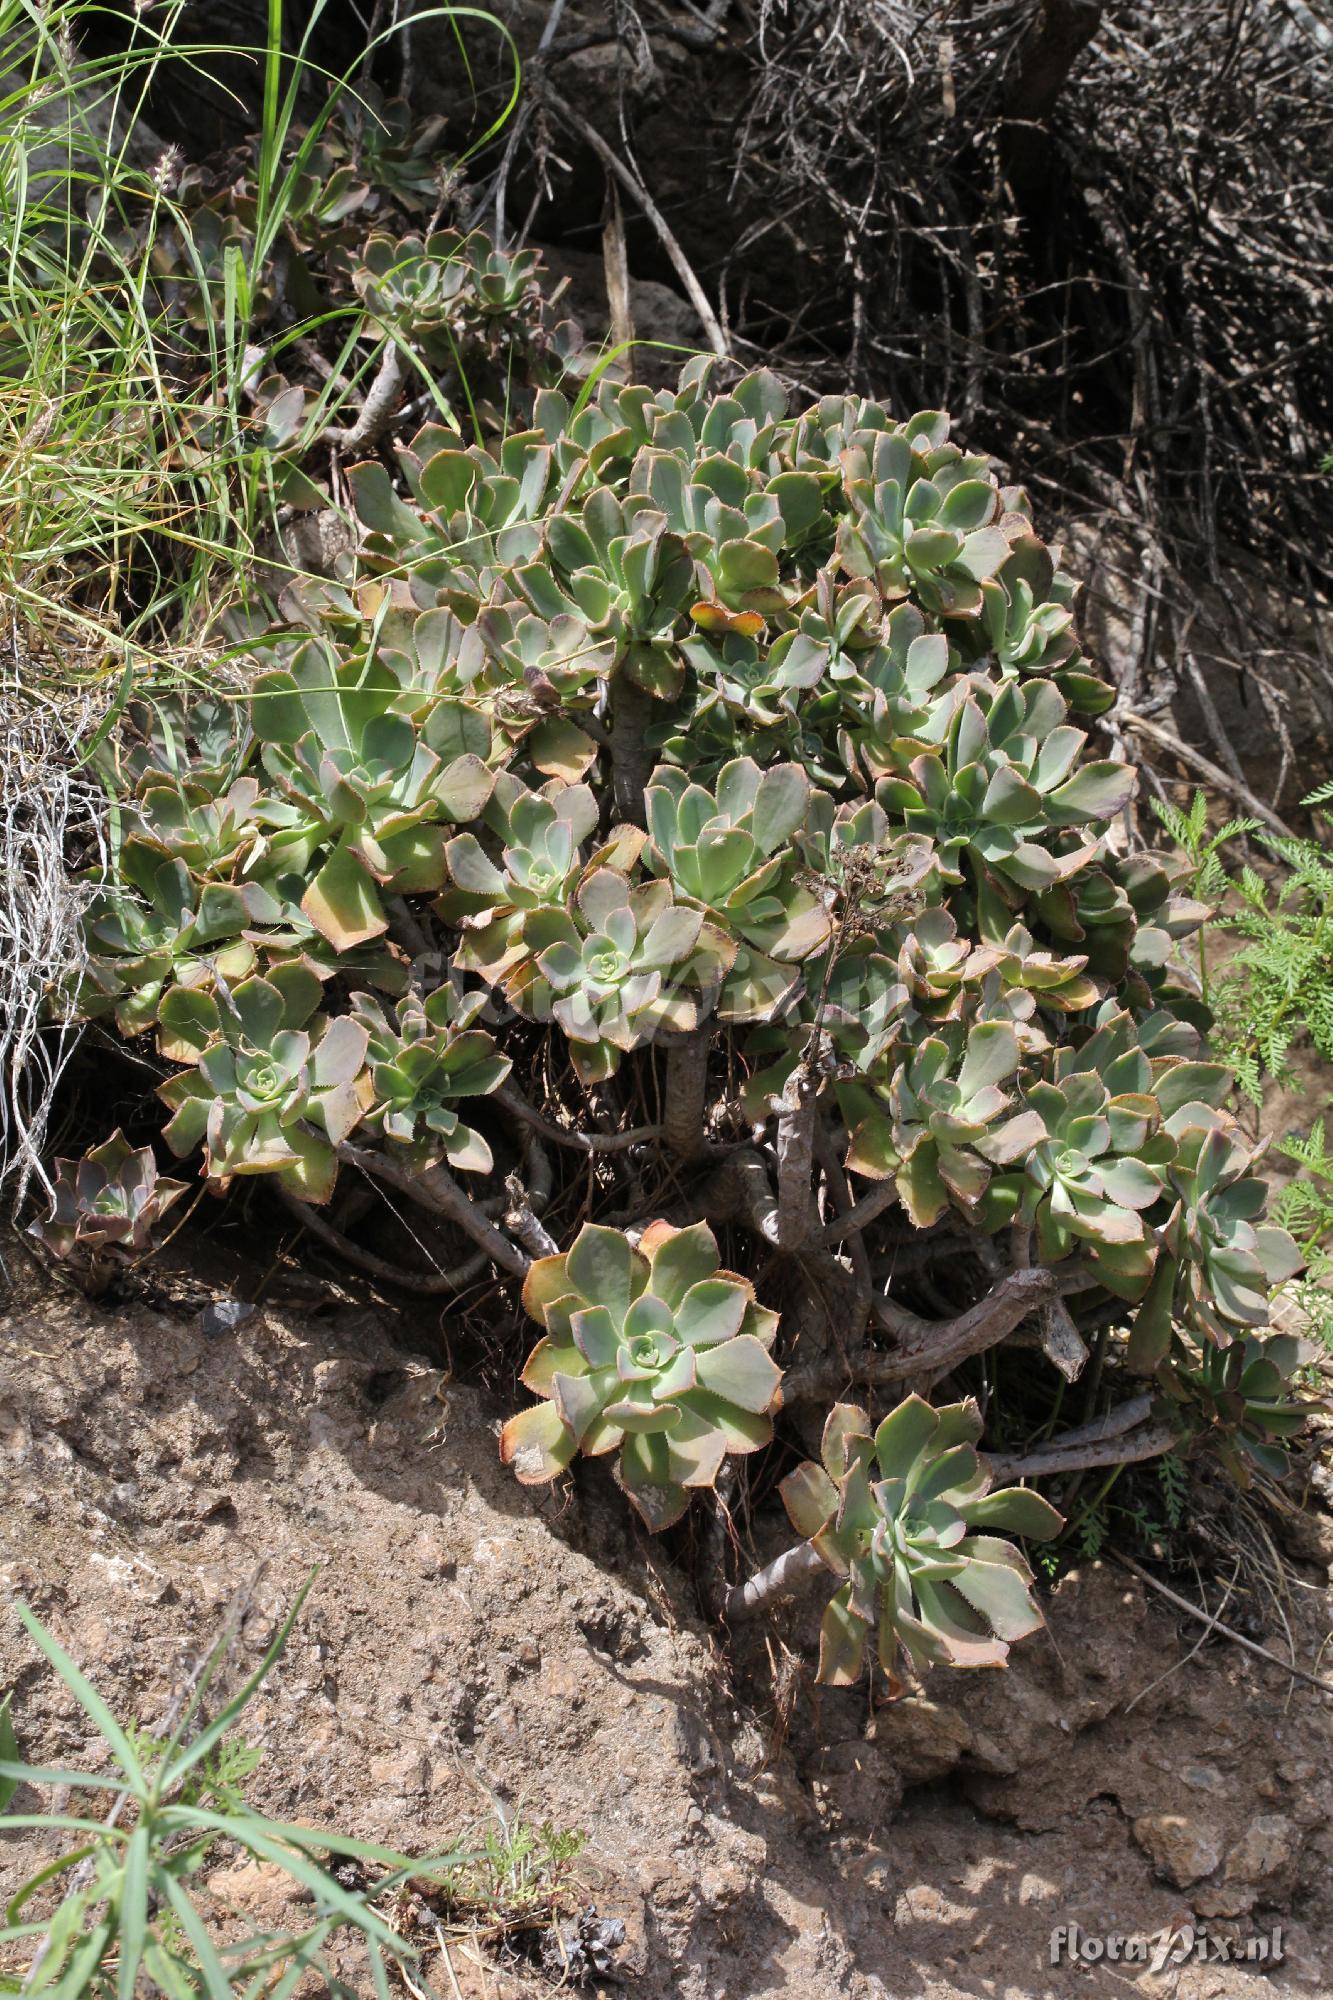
(1225, 1899)
(1181, 1849)
(431, 1558)
(401, 1772)
(1299, 1960)
(1268, 1845)
(224, 1316)
(529, 1654)
(924, 1739)
(261, 1888)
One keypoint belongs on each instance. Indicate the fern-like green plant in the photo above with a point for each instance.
(1277, 988)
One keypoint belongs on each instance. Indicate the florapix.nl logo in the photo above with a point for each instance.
(1178, 1944)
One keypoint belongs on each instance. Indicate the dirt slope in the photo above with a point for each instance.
(470, 1644)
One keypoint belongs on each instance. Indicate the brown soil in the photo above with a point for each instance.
(471, 1647)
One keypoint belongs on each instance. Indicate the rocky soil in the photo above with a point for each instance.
(470, 1649)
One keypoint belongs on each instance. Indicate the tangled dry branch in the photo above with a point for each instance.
(1103, 233)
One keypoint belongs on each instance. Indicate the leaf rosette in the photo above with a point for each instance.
(423, 1064)
(108, 1205)
(901, 1517)
(654, 1352)
(267, 1096)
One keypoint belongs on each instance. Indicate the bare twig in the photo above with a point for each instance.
(1205, 767)
(1228, 1632)
(610, 159)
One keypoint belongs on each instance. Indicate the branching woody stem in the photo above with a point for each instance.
(783, 1577)
(434, 1188)
(452, 1279)
(796, 1147)
(376, 412)
(578, 1142)
(1124, 1436)
(687, 1093)
(929, 1346)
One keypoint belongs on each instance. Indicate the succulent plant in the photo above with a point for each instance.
(871, 874)
(653, 1351)
(729, 851)
(220, 836)
(924, 519)
(943, 1125)
(902, 1516)
(266, 1097)
(625, 576)
(397, 153)
(413, 284)
(1001, 785)
(531, 673)
(617, 967)
(1239, 1399)
(107, 1206)
(202, 740)
(154, 926)
(379, 791)
(473, 515)
(1099, 1166)
(887, 703)
(1228, 1258)
(423, 1064)
(1030, 632)
(1059, 985)
(541, 838)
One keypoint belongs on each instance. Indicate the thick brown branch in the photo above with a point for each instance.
(1124, 1436)
(578, 1142)
(427, 1283)
(796, 1148)
(783, 1577)
(376, 413)
(687, 1093)
(927, 1346)
(434, 1188)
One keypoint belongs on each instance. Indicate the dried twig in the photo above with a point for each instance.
(1228, 1632)
(610, 159)
(1205, 767)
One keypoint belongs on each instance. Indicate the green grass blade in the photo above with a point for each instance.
(43, 1774)
(60, 1866)
(132, 1910)
(256, 1837)
(87, 1697)
(174, 1768)
(216, 1982)
(11, 1768)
